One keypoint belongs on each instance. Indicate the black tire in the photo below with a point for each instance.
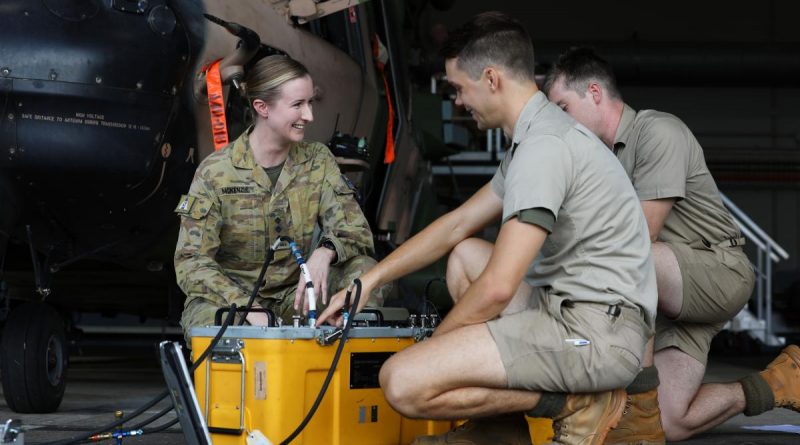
(33, 359)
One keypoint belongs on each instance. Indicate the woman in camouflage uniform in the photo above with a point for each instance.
(266, 184)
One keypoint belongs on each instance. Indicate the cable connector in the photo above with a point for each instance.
(116, 435)
(312, 299)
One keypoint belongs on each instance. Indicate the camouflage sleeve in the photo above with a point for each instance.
(198, 273)
(340, 216)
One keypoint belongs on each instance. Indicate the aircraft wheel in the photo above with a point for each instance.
(33, 359)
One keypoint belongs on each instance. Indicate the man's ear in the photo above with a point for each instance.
(596, 91)
(261, 108)
(493, 77)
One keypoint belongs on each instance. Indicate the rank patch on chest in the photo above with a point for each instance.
(236, 190)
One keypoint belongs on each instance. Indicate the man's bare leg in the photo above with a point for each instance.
(687, 407)
(437, 379)
(669, 281)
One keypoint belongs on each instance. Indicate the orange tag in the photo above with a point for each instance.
(381, 57)
(388, 156)
(216, 106)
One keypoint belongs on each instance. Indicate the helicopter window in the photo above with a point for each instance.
(341, 32)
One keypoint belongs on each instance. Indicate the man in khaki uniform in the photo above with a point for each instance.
(704, 277)
(236, 209)
(580, 325)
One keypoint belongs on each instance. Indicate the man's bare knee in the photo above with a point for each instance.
(456, 277)
(465, 264)
(676, 422)
(681, 376)
(399, 390)
(675, 429)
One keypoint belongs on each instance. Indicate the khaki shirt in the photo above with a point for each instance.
(598, 250)
(233, 213)
(664, 160)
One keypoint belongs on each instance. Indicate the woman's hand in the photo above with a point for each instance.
(319, 265)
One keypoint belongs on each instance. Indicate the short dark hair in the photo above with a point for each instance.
(491, 38)
(579, 66)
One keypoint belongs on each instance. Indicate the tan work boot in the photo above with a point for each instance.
(640, 423)
(586, 418)
(511, 429)
(783, 376)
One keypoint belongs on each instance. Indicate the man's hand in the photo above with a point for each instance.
(319, 265)
(333, 313)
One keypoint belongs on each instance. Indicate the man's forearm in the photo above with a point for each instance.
(481, 303)
(422, 249)
(439, 238)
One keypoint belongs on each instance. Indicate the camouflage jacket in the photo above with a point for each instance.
(233, 213)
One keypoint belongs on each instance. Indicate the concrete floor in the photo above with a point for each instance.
(97, 387)
(100, 385)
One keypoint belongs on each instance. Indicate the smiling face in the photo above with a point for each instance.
(291, 111)
(473, 95)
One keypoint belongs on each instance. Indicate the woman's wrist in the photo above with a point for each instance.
(331, 249)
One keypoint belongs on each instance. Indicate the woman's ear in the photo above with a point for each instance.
(261, 108)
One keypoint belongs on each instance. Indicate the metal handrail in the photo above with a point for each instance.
(768, 252)
(751, 237)
(754, 229)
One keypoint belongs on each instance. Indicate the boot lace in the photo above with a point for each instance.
(559, 431)
(628, 403)
(789, 403)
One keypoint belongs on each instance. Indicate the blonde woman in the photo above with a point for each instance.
(266, 184)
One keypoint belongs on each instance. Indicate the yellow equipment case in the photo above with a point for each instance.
(267, 378)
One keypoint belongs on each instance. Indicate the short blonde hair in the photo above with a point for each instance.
(265, 79)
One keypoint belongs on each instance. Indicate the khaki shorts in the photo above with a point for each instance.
(717, 283)
(538, 354)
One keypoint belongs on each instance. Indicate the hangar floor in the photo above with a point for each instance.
(101, 384)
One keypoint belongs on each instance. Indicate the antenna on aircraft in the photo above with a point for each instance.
(231, 67)
(250, 38)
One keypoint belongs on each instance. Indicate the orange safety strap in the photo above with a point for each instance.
(388, 156)
(216, 105)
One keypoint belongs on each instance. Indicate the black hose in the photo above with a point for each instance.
(259, 282)
(111, 426)
(161, 427)
(345, 332)
(215, 340)
(105, 428)
(157, 429)
(150, 420)
(228, 320)
(426, 297)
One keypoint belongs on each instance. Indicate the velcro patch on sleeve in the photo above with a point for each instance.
(185, 204)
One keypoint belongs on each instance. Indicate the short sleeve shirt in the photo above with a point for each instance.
(664, 160)
(599, 248)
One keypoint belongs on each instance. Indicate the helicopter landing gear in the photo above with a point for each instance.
(33, 358)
